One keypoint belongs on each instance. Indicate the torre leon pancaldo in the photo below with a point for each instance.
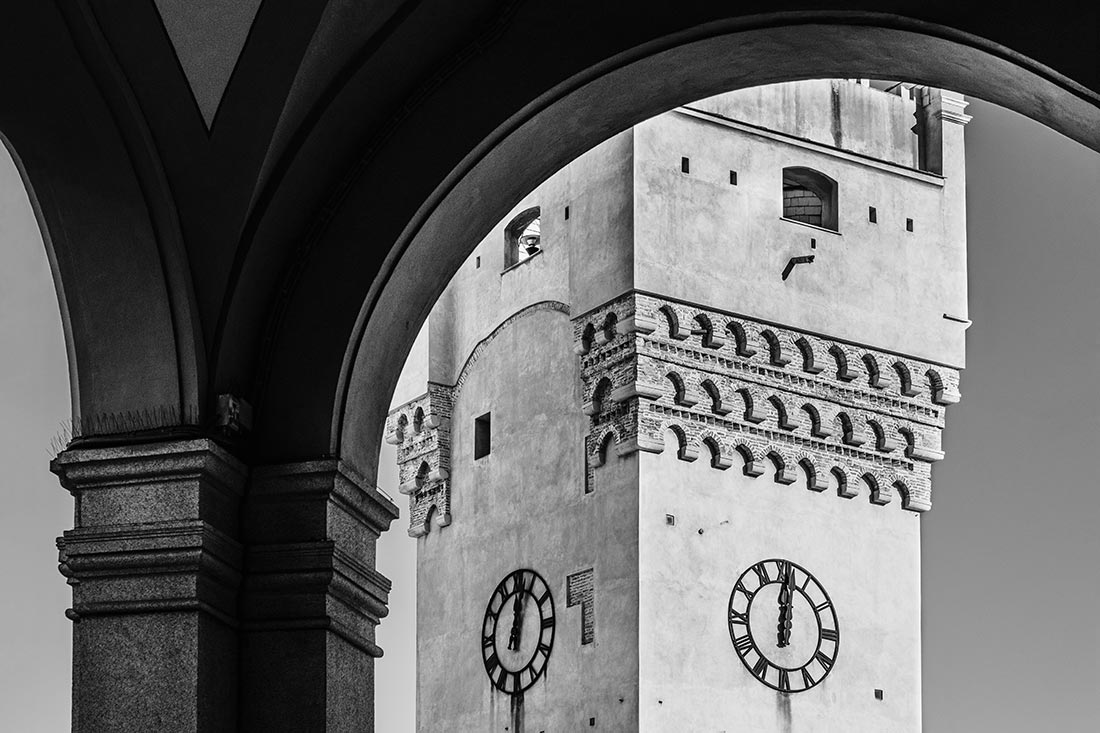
(681, 412)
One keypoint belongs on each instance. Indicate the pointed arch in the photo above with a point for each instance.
(740, 339)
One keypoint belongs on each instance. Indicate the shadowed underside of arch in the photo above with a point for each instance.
(288, 254)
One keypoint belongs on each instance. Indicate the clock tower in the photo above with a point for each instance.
(681, 411)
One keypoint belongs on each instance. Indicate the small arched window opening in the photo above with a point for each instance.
(522, 237)
(418, 420)
(810, 197)
(399, 431)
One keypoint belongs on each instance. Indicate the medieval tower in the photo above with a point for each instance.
(681, 412)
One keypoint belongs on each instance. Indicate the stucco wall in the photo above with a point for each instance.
(867, 558)
(524, 506)
(704, 240)
(836, 112)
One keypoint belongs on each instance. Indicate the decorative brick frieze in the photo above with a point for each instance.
(771, 398)
(421, 430)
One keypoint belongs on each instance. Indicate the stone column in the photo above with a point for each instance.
(311, 598)
(154, 564)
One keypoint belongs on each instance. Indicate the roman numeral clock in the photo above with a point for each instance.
(517, 634)
(783, 625)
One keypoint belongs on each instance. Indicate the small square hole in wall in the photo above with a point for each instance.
(685, 165)
(482, 436)
(592, 722)
(567, 213)
(813, 243)
(872, 215)
(670, 519)
(733, 178)
(878, 694)
(908, 225)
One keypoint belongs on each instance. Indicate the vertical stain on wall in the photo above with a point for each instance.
(834, 102)
(517, 712)
(783, 712)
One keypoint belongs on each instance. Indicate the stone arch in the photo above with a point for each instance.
(751, 467)
(908, 501)
(602, 445)
(809, 361)
(845, 488)
(774, 348)
(710, 389)
(874, 375)
(935, 385)
(753, 405)
(400, 427)
(717, 458)
(740, 339)
(684, 450)
(784, 473)
(601, 393)
(879, 490)
(882, 441)
(814, 480)
(846, 429)
(588, 338)
(840, 358)
(607, 329)
(418, 419)
(817, 425)
(783, 419)
(704, 329)
(905, 379)
(672, 320)
(679, 388)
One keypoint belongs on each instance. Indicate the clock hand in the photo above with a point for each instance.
(786, 613)
(517, 623)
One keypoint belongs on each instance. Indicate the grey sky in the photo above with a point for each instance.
(1011, 641)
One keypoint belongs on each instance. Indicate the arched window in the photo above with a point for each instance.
(809, 197)
(522, 237)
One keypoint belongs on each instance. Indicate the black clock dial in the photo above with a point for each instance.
(783, 625)
(517, 634)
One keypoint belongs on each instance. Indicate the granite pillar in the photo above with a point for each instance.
(311, 598)
(154, 562)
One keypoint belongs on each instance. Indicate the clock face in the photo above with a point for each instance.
(517, 634)
(783, 625)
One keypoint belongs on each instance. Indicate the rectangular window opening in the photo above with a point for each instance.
(481, 436)
(733, 178)
(685, 165)
(872, 215)
(477, 262)
(908, 225)
(813, 243)
(878, 694)
(567, 213)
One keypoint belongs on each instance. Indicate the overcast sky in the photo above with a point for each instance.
(1011, 599)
